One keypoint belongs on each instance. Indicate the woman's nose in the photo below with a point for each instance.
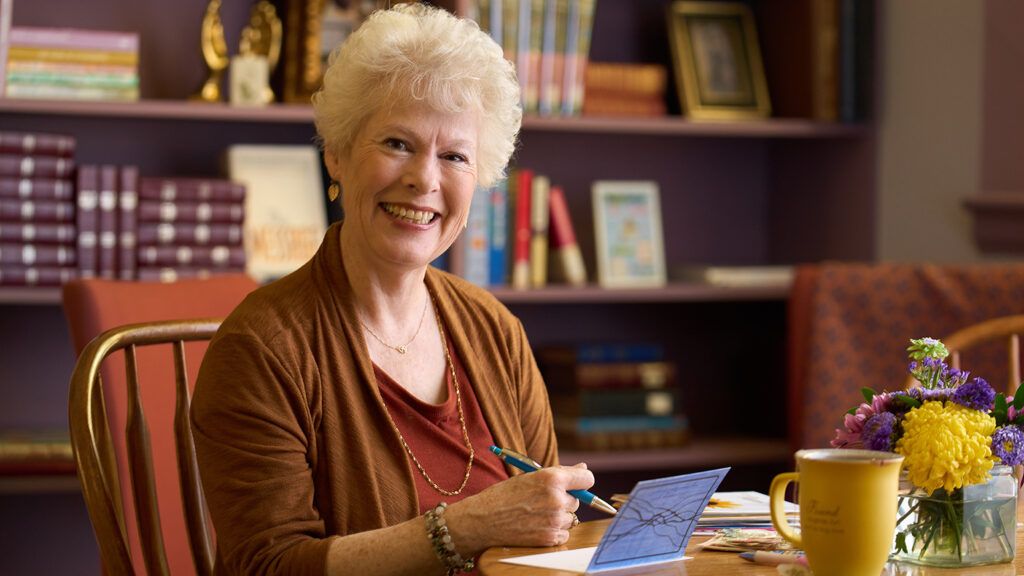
(423, 174)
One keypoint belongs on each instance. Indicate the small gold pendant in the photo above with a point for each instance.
(401, 349)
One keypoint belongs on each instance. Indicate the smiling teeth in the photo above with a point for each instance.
(413, 216)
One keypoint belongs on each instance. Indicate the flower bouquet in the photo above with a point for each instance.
(959, 439)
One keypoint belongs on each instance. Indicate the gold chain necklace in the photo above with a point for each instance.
(462, 419)
(405, 347)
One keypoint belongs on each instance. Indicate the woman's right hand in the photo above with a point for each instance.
(533, 509)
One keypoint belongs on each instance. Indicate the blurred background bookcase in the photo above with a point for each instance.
(783, 190)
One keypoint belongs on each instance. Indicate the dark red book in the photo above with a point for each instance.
(198, 256)
(521, 232)
(37, 233)
(173, 274)
(17, 275)
(188, 233)
(87, 220)
(36, 211)
(127, 222)
(36, 254)
(219, 212)
(30, 166)
(36, 143)
(108, 222)
(191, 189)
(36, 188)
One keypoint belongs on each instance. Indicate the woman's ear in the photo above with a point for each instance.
(333, 163)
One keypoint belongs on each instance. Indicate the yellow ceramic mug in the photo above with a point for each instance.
(847, 509)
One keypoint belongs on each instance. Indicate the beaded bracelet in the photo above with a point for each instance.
(441, 540)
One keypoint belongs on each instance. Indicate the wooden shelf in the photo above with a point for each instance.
(682, 292)
(700, 453)
(677, 292)
(42, 295)
(40, 484)
(303, 114)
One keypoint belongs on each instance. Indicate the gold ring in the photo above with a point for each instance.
(575, 520)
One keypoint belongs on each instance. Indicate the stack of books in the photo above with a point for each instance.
(37, 231)
(190, 228)
(614, 89)
(549, 43)
(106, 201)
(520, 235)
(613, 396)
(68, 63)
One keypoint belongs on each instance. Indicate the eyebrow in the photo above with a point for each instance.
(456, 143)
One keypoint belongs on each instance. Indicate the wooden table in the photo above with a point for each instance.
(710, 563)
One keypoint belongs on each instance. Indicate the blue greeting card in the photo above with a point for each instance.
(653, 526)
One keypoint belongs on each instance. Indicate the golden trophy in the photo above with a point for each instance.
(262, 38)
(215, 53)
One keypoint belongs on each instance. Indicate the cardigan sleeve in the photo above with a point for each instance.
(534, 407)
(253, 431)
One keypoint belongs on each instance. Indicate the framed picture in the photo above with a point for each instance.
(627, 229)
(719, 73)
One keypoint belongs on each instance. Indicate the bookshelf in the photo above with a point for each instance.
(775, 191)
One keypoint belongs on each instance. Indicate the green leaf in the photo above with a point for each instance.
(1018, 398)
(868, 393)
(853, 411)
(909, 400)
(901, 542)
(999, 411)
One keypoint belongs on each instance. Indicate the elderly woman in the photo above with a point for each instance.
(338, 407)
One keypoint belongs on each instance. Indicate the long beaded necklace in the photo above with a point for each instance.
(462, 419)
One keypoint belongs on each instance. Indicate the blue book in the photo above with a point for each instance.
(498, 261)
(603, 353)
(477, 266)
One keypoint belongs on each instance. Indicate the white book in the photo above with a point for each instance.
(285, 215)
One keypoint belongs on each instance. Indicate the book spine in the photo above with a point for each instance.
(498, 261)
(195, 212)
(546, 71)
(457, 255)
(572, 34)
(825, 18)
(521, 244)
(33, 166)
(598, 104)
(483, 18)
(72, 68)
(624, 402)
(38, 233)
(609, 375)
(173, 274)
(37, 144)
(127, 222)
(36, 211)
(36, 188)
(523, 51)
(571, 437)
(539, 232)
(163, 234)
(19, 90)
(87, 220)
(74, 38)
(495, 20)
(582, 53)
(36, 255)
(510, 29)
(14, 275)
(601, 352)
(566, 250)
(107, 222)
(477, 251)
(199, 256)
(69, 55)
(49, 78)
(6, 9)
(191, 190)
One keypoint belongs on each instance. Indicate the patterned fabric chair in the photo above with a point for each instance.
(849, 326)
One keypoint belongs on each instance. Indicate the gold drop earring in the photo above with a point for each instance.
(334, 190)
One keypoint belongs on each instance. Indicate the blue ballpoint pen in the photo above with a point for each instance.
(527, 464)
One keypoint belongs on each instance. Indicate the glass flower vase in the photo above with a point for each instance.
(966, 527)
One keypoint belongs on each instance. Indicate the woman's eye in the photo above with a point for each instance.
(454, 157)
(396, 144)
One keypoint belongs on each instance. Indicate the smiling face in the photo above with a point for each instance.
(407, 182)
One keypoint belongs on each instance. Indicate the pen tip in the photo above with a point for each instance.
(496, 450)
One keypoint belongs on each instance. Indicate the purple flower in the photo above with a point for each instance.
(878, 431)
(976, 394)
(928, 395)
(1008, 445)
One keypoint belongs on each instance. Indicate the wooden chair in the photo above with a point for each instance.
(94, 450)
(94, 307)
(1008, 328)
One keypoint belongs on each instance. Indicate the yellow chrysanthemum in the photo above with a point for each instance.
(946, 445)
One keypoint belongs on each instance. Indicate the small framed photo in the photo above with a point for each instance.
(719, 73)
(627, 222)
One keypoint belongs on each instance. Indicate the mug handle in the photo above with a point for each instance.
(777, 496)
